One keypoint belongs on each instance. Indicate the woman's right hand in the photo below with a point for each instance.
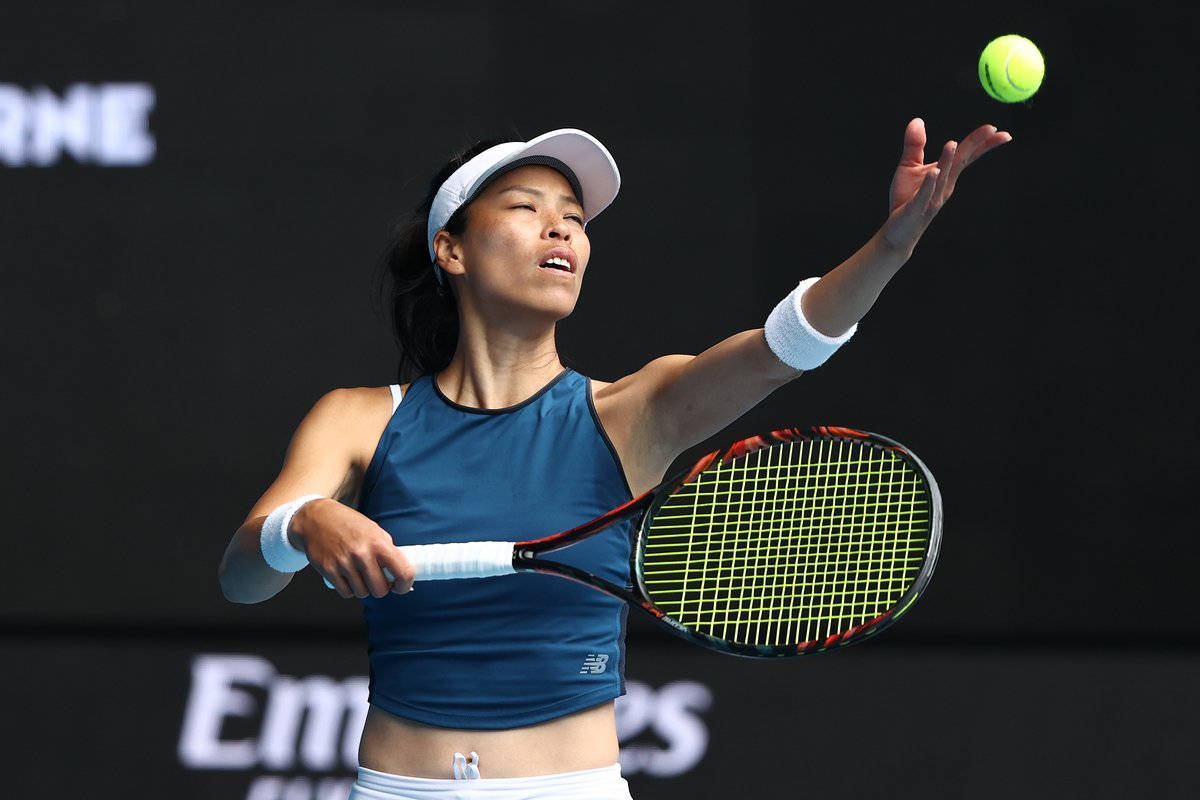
(350, 550)
(328, 456)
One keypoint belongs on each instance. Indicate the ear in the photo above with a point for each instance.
(448, 252)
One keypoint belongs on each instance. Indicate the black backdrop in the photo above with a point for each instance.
(167, 323)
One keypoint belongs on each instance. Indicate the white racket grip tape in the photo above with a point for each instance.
(443, 562)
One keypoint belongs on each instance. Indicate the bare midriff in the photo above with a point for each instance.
(584, 740)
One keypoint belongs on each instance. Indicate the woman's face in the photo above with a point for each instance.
(524, 247)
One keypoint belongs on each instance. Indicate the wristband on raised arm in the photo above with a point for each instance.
(793, 339)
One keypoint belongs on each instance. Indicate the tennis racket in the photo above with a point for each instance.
(785, 544)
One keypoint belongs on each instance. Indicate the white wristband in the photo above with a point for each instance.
(793, 339)
(277, 551)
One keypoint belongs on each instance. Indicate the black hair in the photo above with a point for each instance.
(423, 312)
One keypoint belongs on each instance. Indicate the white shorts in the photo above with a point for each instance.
(604, 783)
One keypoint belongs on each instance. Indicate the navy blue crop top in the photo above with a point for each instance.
(513, 650)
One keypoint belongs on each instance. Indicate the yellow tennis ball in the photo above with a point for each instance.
(1011, 68)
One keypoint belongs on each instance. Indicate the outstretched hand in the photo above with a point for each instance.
(919, 190)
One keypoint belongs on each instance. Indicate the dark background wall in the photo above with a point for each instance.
(167, 324)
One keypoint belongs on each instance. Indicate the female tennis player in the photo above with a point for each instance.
(508, 682)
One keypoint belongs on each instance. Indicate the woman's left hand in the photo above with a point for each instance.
(919, 190)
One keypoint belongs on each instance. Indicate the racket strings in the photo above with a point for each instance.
(793, 543)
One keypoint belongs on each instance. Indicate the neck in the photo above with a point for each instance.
(497, 368)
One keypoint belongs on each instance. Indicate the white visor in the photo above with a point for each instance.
(584, 162)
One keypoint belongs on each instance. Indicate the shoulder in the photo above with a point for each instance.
(356, 416)
(628, 396)
(349, 404)
(626, 410)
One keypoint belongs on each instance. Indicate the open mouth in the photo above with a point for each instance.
(557, 263)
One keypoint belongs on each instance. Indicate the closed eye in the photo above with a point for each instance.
(576, 217)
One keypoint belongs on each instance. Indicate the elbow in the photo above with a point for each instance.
(229, 588)
(239, 595)
(235, 590)
(242, 576)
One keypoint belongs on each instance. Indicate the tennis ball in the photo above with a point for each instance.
(1011, 68)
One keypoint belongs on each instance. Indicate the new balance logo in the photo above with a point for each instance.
(594, 664)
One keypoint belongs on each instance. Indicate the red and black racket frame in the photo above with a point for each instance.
(643, 507)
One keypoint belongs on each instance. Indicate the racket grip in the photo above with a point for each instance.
(442, 562)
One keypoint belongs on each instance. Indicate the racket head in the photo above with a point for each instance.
(790, 543)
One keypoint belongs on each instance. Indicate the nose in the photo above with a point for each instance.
(559, 229)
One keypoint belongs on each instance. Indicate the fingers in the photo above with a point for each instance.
(911, 213)
(980, 141)
(371, 574)
(379, 571)
(929, 185)
(401, 568)
(945, 165)
(336, 582)
(374, 573)
(341, 582)
(914, 144)
(908, 221)
(358, 587)
(357, 557)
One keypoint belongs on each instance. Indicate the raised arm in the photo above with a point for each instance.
(918, 191)
(676, 401)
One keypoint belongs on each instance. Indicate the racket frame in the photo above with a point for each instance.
(526, 554)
